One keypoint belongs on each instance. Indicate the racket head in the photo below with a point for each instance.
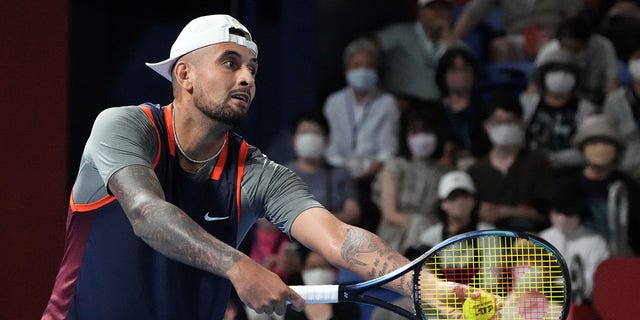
(527, 274)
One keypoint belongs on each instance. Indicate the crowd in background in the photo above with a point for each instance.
(447, 126)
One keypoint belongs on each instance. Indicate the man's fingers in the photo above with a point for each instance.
(297, 302)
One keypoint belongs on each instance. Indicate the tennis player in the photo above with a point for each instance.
(165, 194)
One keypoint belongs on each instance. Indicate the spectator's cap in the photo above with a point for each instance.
(455, 180)
(557, 58)
(202, 32)
(423, 3)
(597, 127)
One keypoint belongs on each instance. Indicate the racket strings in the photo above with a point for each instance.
(523, 274)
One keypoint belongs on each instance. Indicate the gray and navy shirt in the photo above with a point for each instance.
(109, 273)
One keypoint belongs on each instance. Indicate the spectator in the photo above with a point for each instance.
(512, 183)
(331, 186)
(528, 24)
(593, 53)
(582, 248)
(363, 120)
(457, 77)
(457, 210)
(621, 25)
(623, 108)
(317, 271)
(411, 50)
(363, 123)
(406, 189)
(610, 193)
(552, 115)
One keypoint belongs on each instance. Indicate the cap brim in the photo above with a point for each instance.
(163, 67)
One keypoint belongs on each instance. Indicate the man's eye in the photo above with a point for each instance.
(229, 64)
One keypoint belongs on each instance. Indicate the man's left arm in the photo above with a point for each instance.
(349, 247)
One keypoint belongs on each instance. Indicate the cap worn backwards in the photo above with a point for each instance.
(202, 32)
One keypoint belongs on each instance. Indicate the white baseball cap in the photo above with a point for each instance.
(455, 180)
(202, 32)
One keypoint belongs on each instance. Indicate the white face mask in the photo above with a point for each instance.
(422, 144)
(634, 68)
(363, 79)
(309, 145)
(559, 82)
(319, 276)
(506, 135)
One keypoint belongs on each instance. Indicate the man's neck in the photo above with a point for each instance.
(309, 165)
(597, 173)
(555, 100)
(503, 157)
(459, 101)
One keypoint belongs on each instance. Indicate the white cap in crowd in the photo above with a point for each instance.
(455, 180)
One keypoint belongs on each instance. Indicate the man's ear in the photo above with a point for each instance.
(182, 75)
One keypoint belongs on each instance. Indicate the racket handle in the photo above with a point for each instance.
(318, 293)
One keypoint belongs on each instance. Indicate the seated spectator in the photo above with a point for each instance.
(411, 50)
(331, 186)
(512, 183)
(552, 115)
(593, 53)
(457, 78)
(623, 108)
(609, 193)
(406, 189)
(621, 25)
(582, 248)
(317, 271)
(363, 122)
(457, 210)
(528, 24)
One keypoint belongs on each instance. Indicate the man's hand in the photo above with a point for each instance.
(261, 289)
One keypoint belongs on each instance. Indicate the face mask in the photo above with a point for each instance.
(362, 79)
(422, 145)
(559, 82)
(634, 68)
(309, 145)
(506, 135)
(319, 276)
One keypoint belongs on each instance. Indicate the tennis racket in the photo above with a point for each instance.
(504, 274)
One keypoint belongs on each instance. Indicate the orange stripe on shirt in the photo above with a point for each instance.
(242, 156)
(222, 159)
(84, 207)
(168, 120)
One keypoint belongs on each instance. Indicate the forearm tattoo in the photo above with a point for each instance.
(165, 227)
(364, 249)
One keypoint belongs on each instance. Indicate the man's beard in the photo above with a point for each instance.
(225, 114)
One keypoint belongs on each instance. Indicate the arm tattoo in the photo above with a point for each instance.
(165, 227)
(364, 249)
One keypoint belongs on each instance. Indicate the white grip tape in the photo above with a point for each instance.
(318, 293)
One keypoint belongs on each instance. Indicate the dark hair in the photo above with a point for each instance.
(500, 99)
(429, 114)
(567, 196)
(576, 27)
(446, 62)
(312, 115)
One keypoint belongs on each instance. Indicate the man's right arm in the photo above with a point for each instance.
(170, 231)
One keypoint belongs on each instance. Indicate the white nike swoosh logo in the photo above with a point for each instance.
(207, 217)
